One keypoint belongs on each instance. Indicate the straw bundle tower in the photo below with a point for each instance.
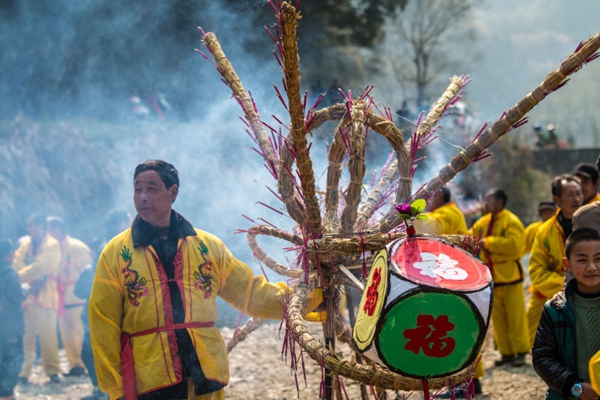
(331, 233)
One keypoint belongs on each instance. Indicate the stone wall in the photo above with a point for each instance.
(563, 161)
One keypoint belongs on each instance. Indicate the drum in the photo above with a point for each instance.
(425, 309)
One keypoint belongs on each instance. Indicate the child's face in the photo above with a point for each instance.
(584, 263)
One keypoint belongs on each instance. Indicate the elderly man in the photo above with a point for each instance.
(152, 308)
(588, 176)
(545, 264)
(589, 214)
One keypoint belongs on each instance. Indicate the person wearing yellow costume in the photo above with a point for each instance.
(152, 308)
(445, 218)
(37, 261)
(546, 269)
(501, 247)
(546, 210)
(588, 177)
(76, 256)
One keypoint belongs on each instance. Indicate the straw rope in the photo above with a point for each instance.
(387, 129)
(266, 259)
(240, 334)
(554, 80)
(404, 190)
(334, 174)
(356, 167)
(290, 17)
(367, 374)
(234, 82)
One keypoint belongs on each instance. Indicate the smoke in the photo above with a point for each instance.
(82, 62)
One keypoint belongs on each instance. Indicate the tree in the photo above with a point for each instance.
(418, 33)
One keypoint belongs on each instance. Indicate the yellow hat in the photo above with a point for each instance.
(595, 372)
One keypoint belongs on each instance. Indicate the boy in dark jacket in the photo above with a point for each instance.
(12, 322)
(569, 331)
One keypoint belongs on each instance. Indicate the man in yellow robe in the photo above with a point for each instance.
(546, 269)
(502, 245)
(75, 258)
(37, 261)
(152, 308)
(546, 210)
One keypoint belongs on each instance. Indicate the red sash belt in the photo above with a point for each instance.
(127, 364)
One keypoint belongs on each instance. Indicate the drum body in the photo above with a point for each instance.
(425, 309)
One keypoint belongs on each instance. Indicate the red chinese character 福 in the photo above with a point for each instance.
(372, 293)
(430, 336)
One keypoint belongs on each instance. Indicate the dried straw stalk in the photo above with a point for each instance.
(266, 259)
(334, 174)
(402, 165)
(554, 80)
(234, 82)
(240, 334)
(356, 168)
(290, 16)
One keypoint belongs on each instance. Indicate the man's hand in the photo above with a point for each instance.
(587, 392)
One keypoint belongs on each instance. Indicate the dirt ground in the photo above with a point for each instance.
(258, 372)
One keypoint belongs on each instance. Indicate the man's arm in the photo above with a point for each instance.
(46, 262)
(82, 257)
(105, 313)
(511, 244)
(544, 278)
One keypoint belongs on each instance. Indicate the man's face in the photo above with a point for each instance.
(588, 188)
(546, 213)
(584, 263)
(492, 204)
(570, 199)
(435, 201)
(152, 199)
(56, 233)
(35, 230)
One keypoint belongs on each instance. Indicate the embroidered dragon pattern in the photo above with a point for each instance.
(134, 285)
(202, 277)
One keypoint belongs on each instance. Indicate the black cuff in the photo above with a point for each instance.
(569, 382)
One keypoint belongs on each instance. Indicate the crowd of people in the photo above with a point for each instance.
(136, 309)
(44, 296)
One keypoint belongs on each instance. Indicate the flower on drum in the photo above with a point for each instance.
(410, 212)
(403, 208)
(440, 266)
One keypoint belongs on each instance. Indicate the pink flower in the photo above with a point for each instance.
(403, 208)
